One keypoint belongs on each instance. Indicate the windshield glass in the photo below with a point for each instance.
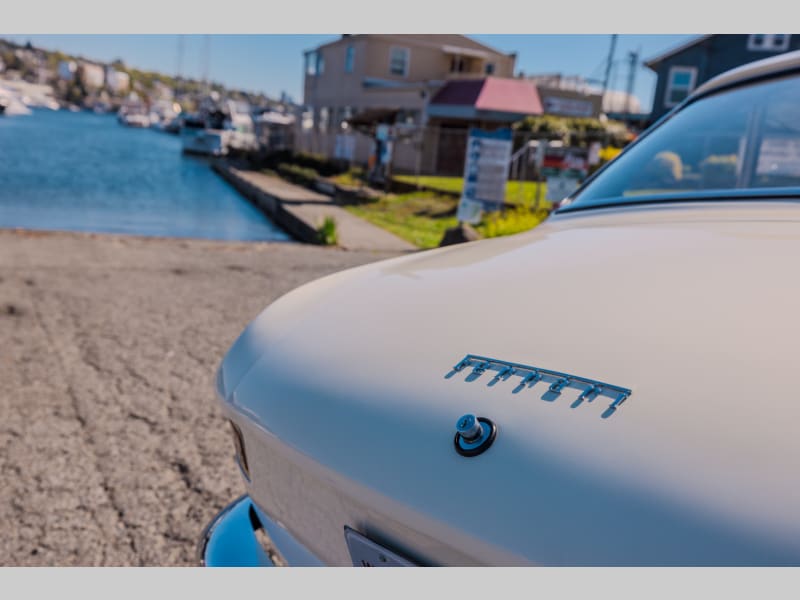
(743, 141)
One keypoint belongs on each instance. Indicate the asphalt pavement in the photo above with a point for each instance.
(113, 450)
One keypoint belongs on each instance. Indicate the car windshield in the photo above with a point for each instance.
(743, 142)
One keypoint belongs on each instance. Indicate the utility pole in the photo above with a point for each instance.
(609, 62)
(206, 60)
(633, 63)
(180, 56)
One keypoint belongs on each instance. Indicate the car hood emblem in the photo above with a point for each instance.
(527, 376)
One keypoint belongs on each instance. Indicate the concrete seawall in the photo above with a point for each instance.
(301, 211)
(271, 205)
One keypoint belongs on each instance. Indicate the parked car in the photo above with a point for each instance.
(615, 387)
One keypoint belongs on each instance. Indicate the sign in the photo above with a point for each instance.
(384, 134)
(560, 186)
(569, 107)
(485, 173)
(345, 147)
(594, 154)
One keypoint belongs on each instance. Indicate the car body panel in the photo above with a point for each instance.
(346, 397)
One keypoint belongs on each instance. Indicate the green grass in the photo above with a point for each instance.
(423, 217)
(350, 178)
(517, 192)
(420, 218)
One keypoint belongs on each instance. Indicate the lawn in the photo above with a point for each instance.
(422, 217)
(517, 192)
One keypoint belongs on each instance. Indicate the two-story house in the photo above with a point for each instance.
(682, 69)
(385, 78)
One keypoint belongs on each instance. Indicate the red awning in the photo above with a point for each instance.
(496, 94)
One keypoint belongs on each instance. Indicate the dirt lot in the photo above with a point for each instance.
(113, 449)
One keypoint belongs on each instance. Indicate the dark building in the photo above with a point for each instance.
(684, 68)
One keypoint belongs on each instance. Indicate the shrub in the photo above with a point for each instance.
(298, 174)
(509, 222)
(575, 131)
(327, 232)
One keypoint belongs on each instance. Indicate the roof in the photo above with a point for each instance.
(760, 68)
(653, 62)
(448, 42)
(496, 94)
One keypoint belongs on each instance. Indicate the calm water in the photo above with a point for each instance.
(86, 172)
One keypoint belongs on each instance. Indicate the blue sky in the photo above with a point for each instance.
(273, 63)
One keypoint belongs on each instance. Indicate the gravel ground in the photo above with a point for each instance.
(114, 451)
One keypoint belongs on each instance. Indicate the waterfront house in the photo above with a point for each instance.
(369, 79)
(66, 70)
(92, 75)
(680, 70)
(118, 82)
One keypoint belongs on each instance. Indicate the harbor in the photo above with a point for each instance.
(82, 171)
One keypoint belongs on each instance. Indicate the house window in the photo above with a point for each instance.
(349, 58)
(768, 42)
(315, 63)
(680, 83)
(489, 68)
(398, 61)
(311, 63)
(307, 119)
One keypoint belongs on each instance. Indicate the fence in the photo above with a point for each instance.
(432, 150)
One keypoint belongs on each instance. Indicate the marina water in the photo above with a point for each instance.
(81, 171)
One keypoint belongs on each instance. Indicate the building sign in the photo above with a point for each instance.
(485, 173)
(593, 157)
(560, 186)
(568, 107)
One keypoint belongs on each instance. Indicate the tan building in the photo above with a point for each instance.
(117, 81)
(389, 78)
(92, 75)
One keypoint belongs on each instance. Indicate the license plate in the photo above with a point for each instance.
(366, 553)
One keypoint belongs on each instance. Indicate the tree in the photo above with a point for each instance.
(575, 131)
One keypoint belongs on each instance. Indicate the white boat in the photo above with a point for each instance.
(136, 120)
(241, 129)
(12, 104)
(197, 138)
(216, 132)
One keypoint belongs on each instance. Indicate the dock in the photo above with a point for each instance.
(301, 211)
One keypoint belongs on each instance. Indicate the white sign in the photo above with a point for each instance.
(594, 154)
(485, 173)
(568, 106)
(559, 187)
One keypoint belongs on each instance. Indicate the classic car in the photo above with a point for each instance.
(614, 387)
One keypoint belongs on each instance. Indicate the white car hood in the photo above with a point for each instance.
(694, 308)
